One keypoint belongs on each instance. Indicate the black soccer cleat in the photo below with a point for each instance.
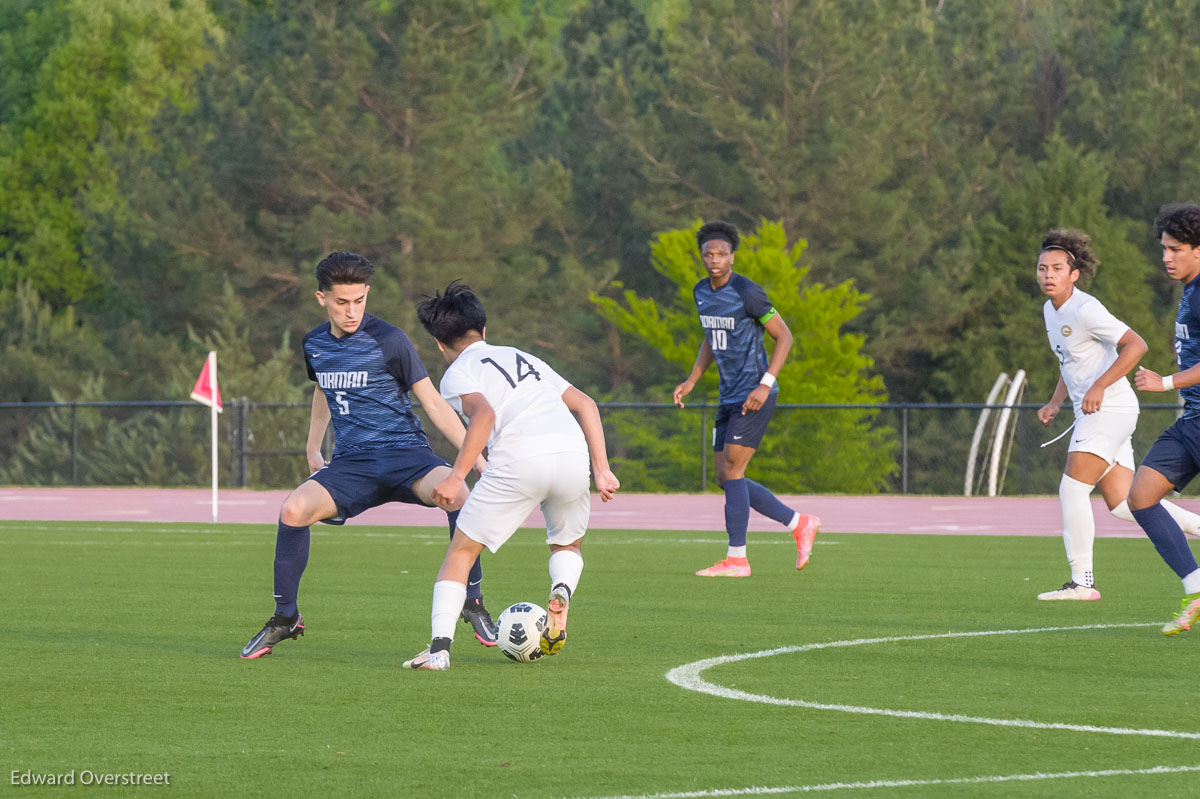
(476, 615)
(278, 628)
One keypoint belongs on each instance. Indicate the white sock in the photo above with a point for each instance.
(1191, 583)
(1188, 522)
(448, 600)
(736, 552)
(795, 520)
(566, 567)
(1079, 527)
(1123, 512)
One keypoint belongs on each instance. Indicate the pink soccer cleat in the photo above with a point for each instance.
(730, 567)
(804, 532)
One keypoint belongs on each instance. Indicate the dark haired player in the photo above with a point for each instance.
(734, 312)
(537, 457)
(364, 369)
(1175, 457)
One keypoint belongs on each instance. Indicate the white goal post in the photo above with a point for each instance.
(998, 446)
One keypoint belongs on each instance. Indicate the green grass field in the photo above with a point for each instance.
(119, 643)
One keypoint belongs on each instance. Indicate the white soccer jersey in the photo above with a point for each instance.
(525, 393)
(1084, 336)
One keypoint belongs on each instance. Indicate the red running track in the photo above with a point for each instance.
(872, 514)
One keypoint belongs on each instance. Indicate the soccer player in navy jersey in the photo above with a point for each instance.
(364, 369)
(734, 311)
(1175, 457)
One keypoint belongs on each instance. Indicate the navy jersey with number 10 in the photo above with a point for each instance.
(366, 377)
(733, 317)
(1187, 346)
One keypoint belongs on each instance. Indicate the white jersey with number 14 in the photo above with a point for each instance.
(1084, 335)
(525, 393)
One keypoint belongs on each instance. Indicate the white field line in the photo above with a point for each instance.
(688, 677)
(841, 786)
(604, 539)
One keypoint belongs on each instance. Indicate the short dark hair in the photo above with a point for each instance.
(1180, 221)
(452, 314)
(718, 230)
(1076, 244)
(343, 268)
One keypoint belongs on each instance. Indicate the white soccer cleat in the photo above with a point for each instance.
(1073, 590)
(429, 661)
(555, 634)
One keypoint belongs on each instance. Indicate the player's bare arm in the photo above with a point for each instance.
(475, 438)
(778, 330)
(318, 422)
(704, 359)
(1047, 412)
(588, 414)
(1130, 349)
(443, 417)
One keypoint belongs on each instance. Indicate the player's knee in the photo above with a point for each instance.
(294, 513)
(1140, 499)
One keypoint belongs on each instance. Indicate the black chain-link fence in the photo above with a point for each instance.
(852, 449)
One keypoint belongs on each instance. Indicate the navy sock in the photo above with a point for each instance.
(737, 511)
(291, 556)
(1167, 538)
(766, 503)
(475, 577)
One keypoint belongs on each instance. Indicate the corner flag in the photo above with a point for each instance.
(207, 393)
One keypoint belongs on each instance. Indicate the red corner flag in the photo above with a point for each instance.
(206, 390)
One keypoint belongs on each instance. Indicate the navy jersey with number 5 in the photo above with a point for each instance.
(1187, 346)
(366, 377)
(733, 317)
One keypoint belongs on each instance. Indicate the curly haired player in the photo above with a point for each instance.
(734, 312)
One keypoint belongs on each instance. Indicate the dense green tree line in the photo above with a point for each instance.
(169, 168)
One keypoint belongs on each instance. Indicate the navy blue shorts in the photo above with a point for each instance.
(733, 428)
(361, 480)
(1176, 453)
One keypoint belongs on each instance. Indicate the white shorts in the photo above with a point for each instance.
(505, 496)
(1105, 434)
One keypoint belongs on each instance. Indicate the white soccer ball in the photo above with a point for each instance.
(520, 632)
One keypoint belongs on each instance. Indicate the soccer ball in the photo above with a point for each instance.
(520, 632)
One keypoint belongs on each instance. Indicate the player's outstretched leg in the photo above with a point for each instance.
(476, 615)
(278, 628)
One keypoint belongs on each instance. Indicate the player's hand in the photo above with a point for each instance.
(1092, 399)
(681, 391)
(1147, 380)
(316, 462)
(756, 399)
(1047, 412)
(607, 484)
(445, 493)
